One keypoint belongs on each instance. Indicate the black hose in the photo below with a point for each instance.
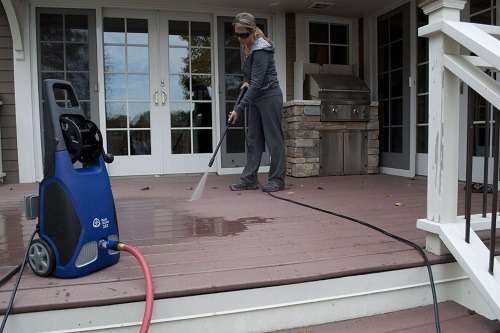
(398, 238)
(9, 275)
(14, 291)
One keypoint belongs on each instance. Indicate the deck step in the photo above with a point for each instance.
(473, 257)
(454, 318)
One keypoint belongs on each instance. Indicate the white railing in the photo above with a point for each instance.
(447, 67)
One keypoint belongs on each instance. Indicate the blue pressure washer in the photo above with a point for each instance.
(75, 206)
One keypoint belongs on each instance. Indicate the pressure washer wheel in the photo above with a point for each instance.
(41, 257)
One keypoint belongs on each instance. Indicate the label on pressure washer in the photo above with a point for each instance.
(98, 223)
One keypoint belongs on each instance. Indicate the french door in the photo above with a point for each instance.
(158, 92)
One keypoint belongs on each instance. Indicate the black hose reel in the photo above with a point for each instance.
(83, 139)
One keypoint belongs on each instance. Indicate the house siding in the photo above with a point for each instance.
(8, 109)
(290, 54)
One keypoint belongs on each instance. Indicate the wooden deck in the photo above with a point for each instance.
(228, 240)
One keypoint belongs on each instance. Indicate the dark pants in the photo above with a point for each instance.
(264, 128)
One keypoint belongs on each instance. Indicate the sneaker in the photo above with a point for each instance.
(272, 187)
(243, 187)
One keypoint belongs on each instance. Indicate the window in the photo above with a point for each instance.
(126, 84)
(66, 51)
(422, 87)
(329, 43)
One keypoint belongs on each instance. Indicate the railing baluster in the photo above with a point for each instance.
(495, 189)
(486, 161)
(468, 179)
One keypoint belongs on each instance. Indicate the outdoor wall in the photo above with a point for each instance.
(290, 54)
(7, 110)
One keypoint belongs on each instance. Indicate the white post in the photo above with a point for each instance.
(444, 96)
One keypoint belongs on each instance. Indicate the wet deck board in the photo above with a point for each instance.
(228, 240)
(454, 318)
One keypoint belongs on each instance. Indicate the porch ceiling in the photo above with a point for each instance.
(346, 8)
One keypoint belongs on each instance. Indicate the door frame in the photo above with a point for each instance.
(185, 163)
(408, 91)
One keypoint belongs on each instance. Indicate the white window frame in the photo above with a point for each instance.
(353, 35)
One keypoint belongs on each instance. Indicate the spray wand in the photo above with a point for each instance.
(198, 191)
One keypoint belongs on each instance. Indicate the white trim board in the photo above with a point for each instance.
(397, 172)
(268, 309)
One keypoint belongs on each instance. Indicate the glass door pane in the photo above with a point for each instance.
(126, 80)
(190, 87)
(67, 51)
(394, 92)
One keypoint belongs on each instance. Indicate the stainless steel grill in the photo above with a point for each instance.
(343, 97)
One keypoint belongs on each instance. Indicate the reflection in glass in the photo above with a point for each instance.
(201, 61)
(397, 83)
(137, 31)
(233, 61)
(202, 115)
(140, 142)
(178, 33)
(115, 86)
(117, 143)
(180, 114)
(77, 57)
(339, 55)
(318, 32)
(51, 27)
(138, 86)
(422, 136)
(178, 60)
(229, 37)
(114, 59)
(85, 106)
(202, 87)
(52, 58)
(396, 139)
(202, 141)
(80, 82)
(422, 109)
(396, 112)
(318, 54)
(181, 141)
(139, 115)
(138, 59)
(179, 87)
(232, 86)
(77, 28)
(235, 141)
(200, 33)
(116, 115)
(397, 55)
(339, 34)
(114, 30)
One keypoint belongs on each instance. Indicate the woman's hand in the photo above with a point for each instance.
(233, 117)
(245, 84)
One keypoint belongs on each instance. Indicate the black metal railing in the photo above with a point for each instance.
(485, 188)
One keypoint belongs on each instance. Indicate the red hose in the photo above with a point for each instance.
(148, 310)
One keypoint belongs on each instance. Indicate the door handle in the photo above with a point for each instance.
(163, 97)
(155, 97)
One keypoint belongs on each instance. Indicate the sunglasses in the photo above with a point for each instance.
(242, 35)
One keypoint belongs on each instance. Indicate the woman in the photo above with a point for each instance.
(263, 102)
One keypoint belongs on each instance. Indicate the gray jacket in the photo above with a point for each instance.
(259, 70)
